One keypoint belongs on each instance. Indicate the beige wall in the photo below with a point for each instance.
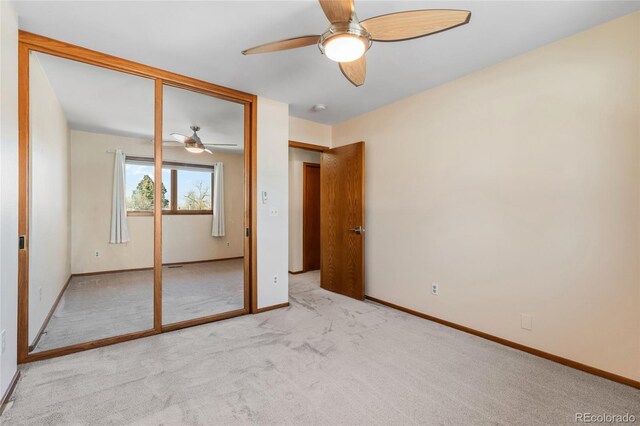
(517, 190)
(49, 225)
(306, 131)
(296, 158)
(8, 191)
(185, 238)
(272, 177)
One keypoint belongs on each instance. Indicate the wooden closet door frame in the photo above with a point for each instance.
(29, 42)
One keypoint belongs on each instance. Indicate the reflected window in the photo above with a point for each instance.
(140, 186)
(185, 187)
(194, 189)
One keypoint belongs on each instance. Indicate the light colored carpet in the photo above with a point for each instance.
(202, 289)
(326, 359)
(99, 306)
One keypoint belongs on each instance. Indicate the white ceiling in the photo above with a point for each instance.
(203, 39)
(104, 101)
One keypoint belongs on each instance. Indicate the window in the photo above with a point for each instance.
(194, 189)
(139, 178)
(186, 188)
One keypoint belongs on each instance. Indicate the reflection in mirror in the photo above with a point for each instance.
(203, 222)
(90, 203)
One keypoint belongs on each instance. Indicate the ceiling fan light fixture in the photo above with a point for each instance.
(348, 39)
(194, 149)
(345, 42)
(193, 144)
(344, 48)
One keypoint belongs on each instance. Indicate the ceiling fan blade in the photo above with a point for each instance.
(290, 43)
(337, 10)
(220, 144)
(180, 138)
(208, 150)
(413, 24)
(355, 71)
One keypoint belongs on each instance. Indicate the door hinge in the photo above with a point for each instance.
(246, 232)
(21, 242)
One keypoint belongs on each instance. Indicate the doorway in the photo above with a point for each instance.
(326, 216)
(304, 209)
(310, 216)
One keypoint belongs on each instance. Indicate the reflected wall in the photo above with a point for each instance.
(84, 284)
(203, 221)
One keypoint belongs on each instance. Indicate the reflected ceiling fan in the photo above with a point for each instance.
(194, 144)
(348, 39)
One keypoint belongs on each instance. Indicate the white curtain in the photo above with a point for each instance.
(217, 229)
(119, 227)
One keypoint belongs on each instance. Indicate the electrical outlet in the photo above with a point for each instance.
(273, 211)
(40, 294)
(275, 279)
(3, 341)
(228, 244)
(435, 289)
(526, 322)
(97, 253)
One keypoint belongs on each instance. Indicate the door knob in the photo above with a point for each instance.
(359, 230)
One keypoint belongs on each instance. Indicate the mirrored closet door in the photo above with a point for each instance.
(134, 209)
(203, 230)
(90, 203)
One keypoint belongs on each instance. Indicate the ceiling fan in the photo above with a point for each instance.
(194, 144)
(348, 39)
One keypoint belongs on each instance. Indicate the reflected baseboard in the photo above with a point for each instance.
(189, 262)
(32, 346)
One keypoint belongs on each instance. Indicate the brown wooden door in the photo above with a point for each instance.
(310, 216)
(342, 220)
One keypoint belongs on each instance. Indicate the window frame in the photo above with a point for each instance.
(173, 196)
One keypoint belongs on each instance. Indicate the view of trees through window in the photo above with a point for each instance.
(140, 187)
(193, 189)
